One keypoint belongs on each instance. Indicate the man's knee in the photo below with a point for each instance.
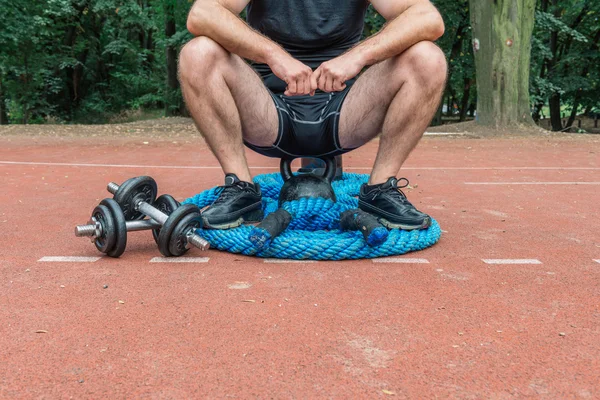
(427, 63)
(199, 57)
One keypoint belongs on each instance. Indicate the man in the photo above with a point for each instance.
(309, 99)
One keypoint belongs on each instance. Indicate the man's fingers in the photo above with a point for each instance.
(339, 85)
(309, 89)
(292, 86)
(329, 84)
(314, 81)
(322, 81)
(305, 84)
(299, 86)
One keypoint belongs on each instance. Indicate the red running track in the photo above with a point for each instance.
(439, 323)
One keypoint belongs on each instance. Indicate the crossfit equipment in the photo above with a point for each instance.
(100, 228)
(317, 166)
(178, 235)
(166, 204)
(132, 192)
(142, 188)
(367, 224)
(136, 198)
(314, 231)
(108, 229)
(306, 185)
(295, 187)
(179, 229)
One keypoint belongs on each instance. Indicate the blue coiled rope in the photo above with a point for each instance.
(314, 233)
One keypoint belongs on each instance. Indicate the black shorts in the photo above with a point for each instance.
(308, 126)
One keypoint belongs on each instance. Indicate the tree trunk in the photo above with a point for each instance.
(573, 115)
(437, 119)
(502, 33)
(149, 46)
(25, 103)
(172, 104)
(472, 109)
(584, 73)
(465, 99)
(554, 100)
(555, 117)
(3, 113)
(456, 47)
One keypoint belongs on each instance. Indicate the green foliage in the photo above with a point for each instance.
(565, 57)
(373, 22)
(548, 22)
(88, 60)
(84, 60)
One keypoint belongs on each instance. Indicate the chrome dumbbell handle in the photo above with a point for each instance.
(94, 229)
(112, 187)
(90, 230)
(192, 237)
(152, 212)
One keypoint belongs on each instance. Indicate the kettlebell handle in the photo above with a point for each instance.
(330, 168)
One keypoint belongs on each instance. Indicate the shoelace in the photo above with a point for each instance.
(225, 192)
(394, 188)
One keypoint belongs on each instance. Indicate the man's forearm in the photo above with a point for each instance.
(224, 27)
(418, 23)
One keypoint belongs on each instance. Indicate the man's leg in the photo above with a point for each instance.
(227, 99)
(397, 98)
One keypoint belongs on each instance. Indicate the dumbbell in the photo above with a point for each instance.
(136, 196)
(373, 231)
(108, 228)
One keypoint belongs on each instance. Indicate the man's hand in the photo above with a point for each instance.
(294, 73)
(331, 76)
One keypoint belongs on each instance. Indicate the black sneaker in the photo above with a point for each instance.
(388, 203)
(238, 202)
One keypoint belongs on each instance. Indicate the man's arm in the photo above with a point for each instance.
(408, 23)
(218, 20)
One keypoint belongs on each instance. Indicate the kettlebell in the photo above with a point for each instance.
(306, 185)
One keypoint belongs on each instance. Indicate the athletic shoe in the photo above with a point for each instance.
(238, 202)
(388, 203)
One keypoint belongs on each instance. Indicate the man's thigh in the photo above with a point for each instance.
(257, 113)
(367, 103)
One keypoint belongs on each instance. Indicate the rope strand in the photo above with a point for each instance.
(314, 232)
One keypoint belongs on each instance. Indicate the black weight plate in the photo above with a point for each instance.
(178, 242)
(167, 204)
(142, 188)
(107, 240)
(120, 227)
(164, 238)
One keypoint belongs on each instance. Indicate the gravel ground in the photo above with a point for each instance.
(183, 129)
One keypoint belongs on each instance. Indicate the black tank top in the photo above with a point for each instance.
(312, 31)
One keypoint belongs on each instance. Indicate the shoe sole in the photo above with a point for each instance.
(251, 217)
(391, 225)
(394, 225)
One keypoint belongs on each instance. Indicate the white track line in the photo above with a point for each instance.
(180, 260)
(52, 164)
(282, 261)
(532, 183)
(69, 259)
(512, 261)
(598, 261)
(445, 133)
(116, 165)
(401, 260)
